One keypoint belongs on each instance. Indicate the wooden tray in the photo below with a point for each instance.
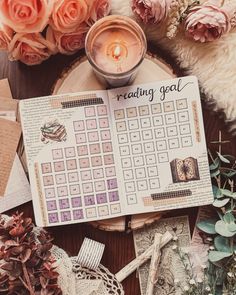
(80, 77)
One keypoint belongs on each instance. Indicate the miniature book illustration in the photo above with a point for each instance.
(98, 155)
(184, 170)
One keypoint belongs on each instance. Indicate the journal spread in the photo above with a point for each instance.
(102, 154)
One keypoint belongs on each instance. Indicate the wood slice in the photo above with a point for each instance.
(80, 77)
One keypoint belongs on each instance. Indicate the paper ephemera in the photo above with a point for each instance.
(170, 267)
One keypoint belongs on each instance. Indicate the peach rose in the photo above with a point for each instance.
(31, 48)
(98, 9)
(67, 15)
(26, 16)
(151, 11)
(207, 22)
(6, 35)
(68, 43)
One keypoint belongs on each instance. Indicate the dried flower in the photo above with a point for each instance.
(186, 288)
(207, 22)
(28, 267)
(151, 11)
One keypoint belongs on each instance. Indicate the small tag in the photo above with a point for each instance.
(90, 254)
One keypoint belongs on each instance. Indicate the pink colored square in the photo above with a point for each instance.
(89, 111)
(80, 138)
(91, 124)
(84, 163)
(108, 159)
(107, 147)
(76, 202)
(78, 214)
(93, 136)
(103, 123)
(102, 110)
(71, 164)
(46, 168)
(59, 166)
(96, 161)
(89, 200)
(82, 150)
(105, 135)
(48, 180)
(78, 125)
(94, 148)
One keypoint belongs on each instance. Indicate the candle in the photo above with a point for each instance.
(115, 47)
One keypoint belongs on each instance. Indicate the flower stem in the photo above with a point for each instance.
(26, 275)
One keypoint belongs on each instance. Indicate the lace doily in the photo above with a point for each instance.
(102, 273)
(75, 280)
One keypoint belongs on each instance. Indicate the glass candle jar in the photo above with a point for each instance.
(115, 47)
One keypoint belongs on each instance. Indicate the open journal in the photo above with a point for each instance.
(102, 154)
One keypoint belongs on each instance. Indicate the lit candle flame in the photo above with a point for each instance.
(117, 52)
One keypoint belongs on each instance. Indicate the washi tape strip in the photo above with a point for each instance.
(81, 102)
(172, 194)
(90, 254)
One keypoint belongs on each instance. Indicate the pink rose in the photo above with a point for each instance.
(207, 22)
(98, 9)
(67, 15)
(151, 11)
(6, 35)
(68, 43)
(30, 49)
(26, 16)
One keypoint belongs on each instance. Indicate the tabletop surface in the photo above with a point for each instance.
(35, 81)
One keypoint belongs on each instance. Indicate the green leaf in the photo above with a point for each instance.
(220, 203)
(207, 226)
(215, 164)
(226, 192)
(222, 229)
(229, 217)
(214, 174)
(215, 256)
(229, 174)
(223, 244)
(223, 158)
(232, 227)
(216, 192)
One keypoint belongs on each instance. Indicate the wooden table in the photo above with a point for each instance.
(34, 81)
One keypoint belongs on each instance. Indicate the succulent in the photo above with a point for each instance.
(26, 262)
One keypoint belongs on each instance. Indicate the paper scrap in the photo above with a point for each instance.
(9, 138)
(18, 188)
(5, 90)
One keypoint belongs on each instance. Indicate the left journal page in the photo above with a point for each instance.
(69, 151)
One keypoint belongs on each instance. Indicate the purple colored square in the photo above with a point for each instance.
(51, 205)
(101, 198)
(65, 216)
(113, 196)
(64, 204)
(76, 202)
(112, 183)
(89, 200)
(78, 214)
(53, 217)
